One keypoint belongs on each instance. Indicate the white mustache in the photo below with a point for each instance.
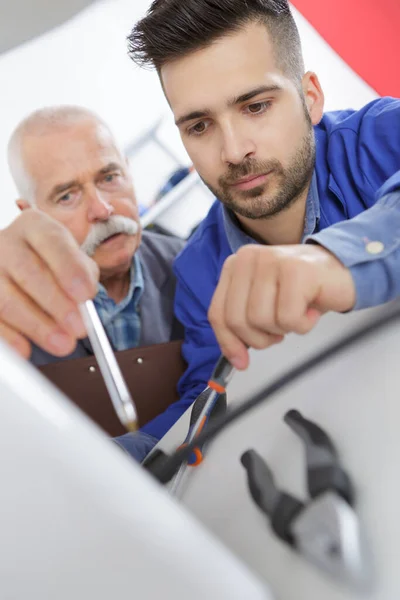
(101, 231)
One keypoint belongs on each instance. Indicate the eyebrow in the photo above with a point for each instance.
(64, 187)
(201, 114)
(196, 114)
(109, 168)
(252, 93)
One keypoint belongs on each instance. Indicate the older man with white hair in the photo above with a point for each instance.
(66, 164)
(69, 170)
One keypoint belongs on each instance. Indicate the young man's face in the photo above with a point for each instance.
(245, 125)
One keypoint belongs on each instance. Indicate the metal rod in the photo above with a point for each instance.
(113, 378)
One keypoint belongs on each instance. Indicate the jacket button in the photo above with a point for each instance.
(375, 247)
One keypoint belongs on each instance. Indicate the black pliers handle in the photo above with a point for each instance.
(324, 471)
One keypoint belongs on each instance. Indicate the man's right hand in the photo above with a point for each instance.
(43, 277)
(265, 292)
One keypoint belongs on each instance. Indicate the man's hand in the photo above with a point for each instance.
(43, 277)
(266, 292)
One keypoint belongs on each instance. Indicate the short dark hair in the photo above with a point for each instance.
(174, 28)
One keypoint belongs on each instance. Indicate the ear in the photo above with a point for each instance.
(314, 97)
(22, 204)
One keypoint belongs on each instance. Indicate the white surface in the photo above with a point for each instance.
(356, 399)
(79, 519)
(21, 20)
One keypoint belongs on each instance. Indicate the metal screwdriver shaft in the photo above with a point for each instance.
(113, 378)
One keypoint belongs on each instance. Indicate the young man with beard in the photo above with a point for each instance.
(283, 172)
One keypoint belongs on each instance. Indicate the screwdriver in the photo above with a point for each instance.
(113, 378)
(219, 379)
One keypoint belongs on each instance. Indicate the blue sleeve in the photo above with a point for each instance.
(363, 150)
(200, 351)
(137, 444)
(378, 144)
(369, 245)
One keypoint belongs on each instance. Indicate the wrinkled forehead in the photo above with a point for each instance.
(211, 76)
(68, 153)
(73, 148)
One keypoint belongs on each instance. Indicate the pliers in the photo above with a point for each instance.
(209, 405)
(325, 530)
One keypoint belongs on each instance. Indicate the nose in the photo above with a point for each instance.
(236, 145)
(99, 208)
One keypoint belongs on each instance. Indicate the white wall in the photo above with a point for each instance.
(85, 62)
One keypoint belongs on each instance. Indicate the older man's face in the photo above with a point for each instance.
(81, 180)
